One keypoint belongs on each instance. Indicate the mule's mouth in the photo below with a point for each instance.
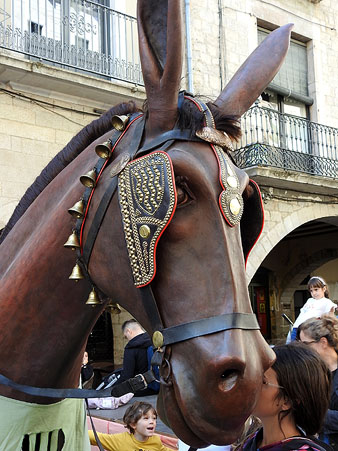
(172, 414)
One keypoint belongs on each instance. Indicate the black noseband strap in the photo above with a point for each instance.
(207, 326)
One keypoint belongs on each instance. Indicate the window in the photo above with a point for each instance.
(36, 28)
(292, 77)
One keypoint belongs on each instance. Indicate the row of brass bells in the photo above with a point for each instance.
(76, 273)
(72, 241)
(93, 298)
(77, 209)
(89, 179)
(104, 150)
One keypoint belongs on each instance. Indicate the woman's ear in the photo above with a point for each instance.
(286, 403)
(323, 342)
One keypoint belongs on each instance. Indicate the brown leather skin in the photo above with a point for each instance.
(216, 379)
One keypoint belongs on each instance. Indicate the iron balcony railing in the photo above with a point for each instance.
(270, 138)
(80, 34)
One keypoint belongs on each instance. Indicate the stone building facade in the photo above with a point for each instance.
(45, 101)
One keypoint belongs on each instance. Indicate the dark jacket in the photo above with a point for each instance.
(135, 359)
(292, 443)
(331, 417)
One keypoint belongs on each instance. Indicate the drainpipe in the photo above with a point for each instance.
(189, 52)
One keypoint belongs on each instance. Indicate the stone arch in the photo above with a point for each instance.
(272, 236)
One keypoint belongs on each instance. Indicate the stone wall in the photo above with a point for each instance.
(224, 33)
(32, 134)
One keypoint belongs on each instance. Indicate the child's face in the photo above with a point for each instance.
(145, 427)
(317, 292)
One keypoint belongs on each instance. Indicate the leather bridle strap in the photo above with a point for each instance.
(207, 326)
(172, 135)
(150, 307)
(109, 193)
(131, 385)
(174, 334)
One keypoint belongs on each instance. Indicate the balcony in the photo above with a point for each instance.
(273, 139)
(80, 35)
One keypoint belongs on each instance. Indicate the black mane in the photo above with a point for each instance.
(86, 136)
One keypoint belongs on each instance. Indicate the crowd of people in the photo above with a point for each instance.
(298, 404)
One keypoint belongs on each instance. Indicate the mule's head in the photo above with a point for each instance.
(211, 371)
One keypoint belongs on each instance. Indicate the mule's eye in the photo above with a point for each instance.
(184, 196)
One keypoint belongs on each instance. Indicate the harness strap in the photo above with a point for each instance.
(94, 429)
(131, 385)
(150, 307)
(172, 135)
(174, 334)
(206, 326)
(97, 221)
(105, 201)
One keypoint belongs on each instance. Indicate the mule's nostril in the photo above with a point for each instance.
(228, 380)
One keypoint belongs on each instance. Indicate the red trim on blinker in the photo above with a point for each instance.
(221, 183)
(262, 207)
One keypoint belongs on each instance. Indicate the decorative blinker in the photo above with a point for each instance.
(230, 199)
(147, 198)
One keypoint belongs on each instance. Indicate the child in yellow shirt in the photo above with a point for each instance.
(140, 420)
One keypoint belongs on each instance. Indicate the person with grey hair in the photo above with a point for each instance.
(321, 334)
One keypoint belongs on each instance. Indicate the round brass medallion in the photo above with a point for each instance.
(158, 339)
(231, 181)
(144, 231)
(235, 206)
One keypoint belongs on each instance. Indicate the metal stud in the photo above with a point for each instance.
(235, 206)
(144, 231)
(158, 339)
(231, 181)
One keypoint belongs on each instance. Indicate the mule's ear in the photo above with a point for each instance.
(160, 41)
(255, 73)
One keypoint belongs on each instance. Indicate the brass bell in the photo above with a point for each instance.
(76, 273)
(72, 241)
(89, 179)
(93, 298)
(77, 209)
(120, 122)
(114, 308)
(104, 150)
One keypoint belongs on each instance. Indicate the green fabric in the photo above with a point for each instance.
(18, 418)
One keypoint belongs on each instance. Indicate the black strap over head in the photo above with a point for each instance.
(207, 326)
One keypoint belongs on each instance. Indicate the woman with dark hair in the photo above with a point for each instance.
(321, 334)
(293, 401)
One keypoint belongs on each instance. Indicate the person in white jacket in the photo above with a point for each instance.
(315, 306)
